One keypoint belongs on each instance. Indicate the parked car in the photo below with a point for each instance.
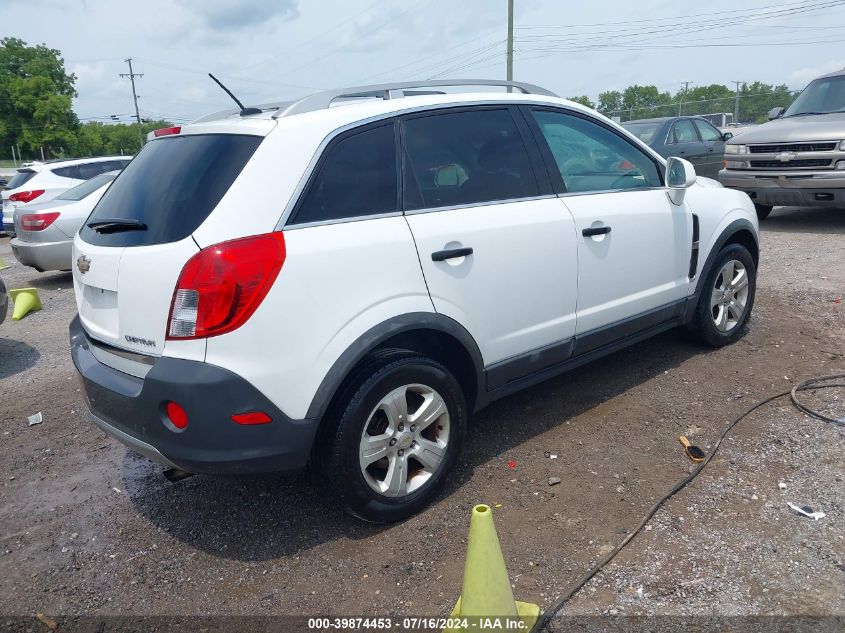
(4, 301)
(43, 181)
(290, 292)
(45, 230)
(689, 137)
(798, 157)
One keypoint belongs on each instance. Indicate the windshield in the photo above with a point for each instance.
(170, 188)
(20, 178)
(822, 96)
(88, 187)
(643, 131)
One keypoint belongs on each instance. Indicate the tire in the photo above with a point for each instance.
(370, 403)
(763, 211)
(717, 322)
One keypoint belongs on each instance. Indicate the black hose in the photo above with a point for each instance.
(821, 382)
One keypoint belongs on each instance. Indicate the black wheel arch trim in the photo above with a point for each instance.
(376, 335)
(729, 231)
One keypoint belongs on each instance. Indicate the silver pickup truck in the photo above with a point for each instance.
(798, 157)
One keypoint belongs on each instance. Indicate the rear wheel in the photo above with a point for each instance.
(727, 297)
(393, 436)
(763, 211)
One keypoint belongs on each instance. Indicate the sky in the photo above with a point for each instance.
(271, 50)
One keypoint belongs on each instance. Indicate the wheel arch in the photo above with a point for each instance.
(740, 231)
(434, 335)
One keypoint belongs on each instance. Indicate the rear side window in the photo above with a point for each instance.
(20, 178)
(465, 157)
(683, 132)
(67, 172)
(86, 188)
(357, 177)
(172, 185)
(89, 170)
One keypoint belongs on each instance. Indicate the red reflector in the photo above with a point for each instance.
(26, 196)
(253, 417)
(167, 131)
(38, 221)
(176, 415)
(222, 286)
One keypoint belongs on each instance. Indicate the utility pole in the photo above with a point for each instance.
(131, 74)
(736, 100)
(510, 42)
(681, 100)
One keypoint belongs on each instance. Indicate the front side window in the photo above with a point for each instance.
(357, 177)
(683, 132)
(707, 131)
(468, 157)
(591, 157)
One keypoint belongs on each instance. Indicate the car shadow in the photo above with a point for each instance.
(52, 281)
(805, 220)
(262, 518)
(15, 357)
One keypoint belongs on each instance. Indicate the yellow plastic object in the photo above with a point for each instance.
(26, 300)
(486, 591)
(3, 264)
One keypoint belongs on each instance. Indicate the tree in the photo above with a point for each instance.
(610, 102)
(35, 98)
(584, 100)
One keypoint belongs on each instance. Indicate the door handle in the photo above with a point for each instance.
(595, 230)
(450, 253)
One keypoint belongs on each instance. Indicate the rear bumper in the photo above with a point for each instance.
(131, 409)
(43, 255)
(812, 189)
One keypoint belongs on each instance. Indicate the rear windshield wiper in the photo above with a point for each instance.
(115, 225)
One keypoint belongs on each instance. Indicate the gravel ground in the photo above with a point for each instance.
(87, 527)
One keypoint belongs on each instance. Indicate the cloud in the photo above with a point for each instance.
(803, 76)
(224, 15)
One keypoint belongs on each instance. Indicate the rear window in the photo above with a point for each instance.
(172, 186)
(22, 177)
(86, 188)
(643, 131)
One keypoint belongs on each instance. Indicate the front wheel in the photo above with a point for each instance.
(763, 211)
(727, 297)
(393, 436)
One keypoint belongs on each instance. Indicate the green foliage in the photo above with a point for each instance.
(35, 97)
(584, 100)
(36, 109)
(642, 102)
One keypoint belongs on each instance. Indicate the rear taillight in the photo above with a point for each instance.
(26, 196)
(38, 221)
(221, 286)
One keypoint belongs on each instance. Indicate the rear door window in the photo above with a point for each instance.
(357, 177)
(468, 157)
(683, 132)
(707, 131)
(172, 185)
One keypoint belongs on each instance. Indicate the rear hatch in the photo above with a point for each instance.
(130, 251)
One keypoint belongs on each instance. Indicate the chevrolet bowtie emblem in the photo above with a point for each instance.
(83, 264)
(785, 157)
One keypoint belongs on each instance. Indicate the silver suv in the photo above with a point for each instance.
(798, 157)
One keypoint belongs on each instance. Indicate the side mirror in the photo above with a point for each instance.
(776, 113)
(680, 176)
(727, 136)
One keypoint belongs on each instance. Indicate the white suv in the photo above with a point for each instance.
(344, 279)
(39, 182)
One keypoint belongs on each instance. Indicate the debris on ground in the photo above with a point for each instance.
(807, 511)
(554, 481)
(36, 418)
(49, 623)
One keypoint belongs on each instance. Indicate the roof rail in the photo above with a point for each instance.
(323, 100)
